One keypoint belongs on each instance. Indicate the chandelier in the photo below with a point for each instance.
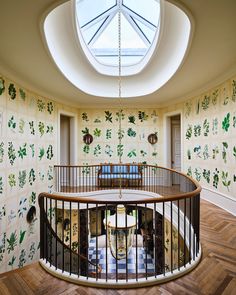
(120, 226)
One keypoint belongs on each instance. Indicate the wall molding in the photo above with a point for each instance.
(219, 199)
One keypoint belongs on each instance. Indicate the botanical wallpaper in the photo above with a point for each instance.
(103, 125)
(27, 153)
(210, 138)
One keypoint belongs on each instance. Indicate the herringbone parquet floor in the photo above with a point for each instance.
(216, 274)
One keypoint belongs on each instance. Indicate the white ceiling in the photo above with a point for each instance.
(25, 57)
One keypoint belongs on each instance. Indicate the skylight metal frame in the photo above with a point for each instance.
(131, 16)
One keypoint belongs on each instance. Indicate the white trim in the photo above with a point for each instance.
(219, 199)
(73, 135)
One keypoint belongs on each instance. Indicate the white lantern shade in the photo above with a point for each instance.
(120, 232)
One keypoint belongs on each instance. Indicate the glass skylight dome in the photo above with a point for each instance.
(75, 29)
(97, 22)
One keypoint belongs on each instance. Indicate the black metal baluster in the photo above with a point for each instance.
(56, 176)
(178, 235)
(65, 168)
(78, 236)
(185, 232)
(171, 236)
(50, 234)
(70, 240)
(136, 229)
(163, 236)
(47, 229)
(42, 227)
(126, 245)
(67, 179)
(147, 235)
(96, 242)
(62, 180)
(56, 233)
(154, 239)
(194, 226)
(198, 223)
(116, 246)
(106, 244)
(190, 232)
(63, 254)
(73, 178)
(86, 178)
(83, 190)
(87, 234)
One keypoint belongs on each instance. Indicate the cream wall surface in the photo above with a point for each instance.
(28, 151)
(210, 138)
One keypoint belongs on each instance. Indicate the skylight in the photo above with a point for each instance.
(98, 24)
(70, 50)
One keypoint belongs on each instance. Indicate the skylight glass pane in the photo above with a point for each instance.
(98, 22)
(148, 9)
(87, 10)
(109, 37)
(91, 31)
(149, 33)
(108, 41)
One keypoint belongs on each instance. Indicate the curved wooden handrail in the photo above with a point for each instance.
(157, 181)
(158, 199)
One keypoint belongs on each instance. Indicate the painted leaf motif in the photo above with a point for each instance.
(108, 116)
(131, 119)
(2, 85)
(225, 122)
(22, 235)
(12, 91)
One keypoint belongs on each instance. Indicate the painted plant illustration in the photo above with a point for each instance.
(12, 91)
(225, 179)
(131, 119)
(226, 123)
(22, 94)
(2, 85)
(12, 242)
(206, 102)
(108, 116)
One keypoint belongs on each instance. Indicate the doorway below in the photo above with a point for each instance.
(64, 140)
(67, 145)
(67, 138)
(172, 149)
(175, 146)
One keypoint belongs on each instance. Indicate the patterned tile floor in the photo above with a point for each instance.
(144, 260)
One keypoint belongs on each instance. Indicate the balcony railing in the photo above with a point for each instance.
(79, 243)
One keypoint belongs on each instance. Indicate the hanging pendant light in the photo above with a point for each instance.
(120, 226)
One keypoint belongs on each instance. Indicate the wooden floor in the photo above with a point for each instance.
(216, 274)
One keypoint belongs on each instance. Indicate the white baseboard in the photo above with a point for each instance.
(219, 199)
